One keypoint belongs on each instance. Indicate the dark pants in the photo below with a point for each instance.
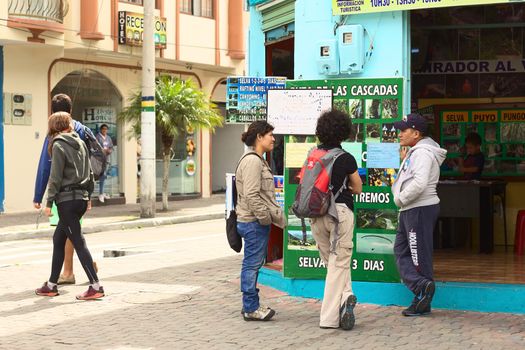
(69, 214)
(414, 245)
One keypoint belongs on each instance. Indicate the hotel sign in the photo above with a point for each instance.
(131, 29)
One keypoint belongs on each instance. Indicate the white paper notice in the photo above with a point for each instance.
(295, 112)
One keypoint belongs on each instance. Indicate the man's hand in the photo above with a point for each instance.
(47, 212)
(37, 205)
(403, 152)
(89, 205)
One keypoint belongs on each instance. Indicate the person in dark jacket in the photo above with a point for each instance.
(107, 145)
(70, 186)
(471, 166)
(59, 103)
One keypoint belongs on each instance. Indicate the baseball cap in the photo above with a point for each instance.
(414, 121)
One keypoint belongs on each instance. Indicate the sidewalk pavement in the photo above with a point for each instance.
(114, 217)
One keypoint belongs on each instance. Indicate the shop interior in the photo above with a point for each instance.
(467, 73)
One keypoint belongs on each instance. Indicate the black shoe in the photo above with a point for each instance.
(412, 309)
(426, 295)
(347, 318)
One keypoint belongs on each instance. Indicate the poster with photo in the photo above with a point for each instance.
(373, 108)
(373, 132)
(502, 133)
(389, 133)
(452, 130)
(372, 124)
(341, 105)
(390, 108)
(382, 219)
(355, 109)
(246, 97)
(381, 177)
(357, 134)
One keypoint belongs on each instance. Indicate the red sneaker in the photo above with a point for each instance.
(91, 294)
(45, 291)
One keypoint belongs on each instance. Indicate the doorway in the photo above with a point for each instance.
(96, 102)
(467, 63)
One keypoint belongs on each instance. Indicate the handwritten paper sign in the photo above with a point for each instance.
(296, 154)
(295, 112)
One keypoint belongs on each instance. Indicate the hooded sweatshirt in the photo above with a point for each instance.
(418, 176)
(44, 165)
(71, 176)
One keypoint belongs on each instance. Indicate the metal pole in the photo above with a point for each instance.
(147, 167)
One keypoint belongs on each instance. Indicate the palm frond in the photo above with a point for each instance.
(179, 104)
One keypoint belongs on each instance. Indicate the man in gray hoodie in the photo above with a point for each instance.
(415, 194)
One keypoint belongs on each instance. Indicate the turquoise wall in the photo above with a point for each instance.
(2, 186)
(255, 45)
(314, 22)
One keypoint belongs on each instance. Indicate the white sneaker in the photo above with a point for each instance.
(261, 314)
(106, 196)
(101, 198)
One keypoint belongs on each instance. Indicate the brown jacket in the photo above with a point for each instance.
(256, 192)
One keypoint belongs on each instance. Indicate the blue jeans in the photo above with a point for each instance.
(101, 181)
(255, 247)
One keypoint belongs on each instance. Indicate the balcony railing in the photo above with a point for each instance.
(39, 10)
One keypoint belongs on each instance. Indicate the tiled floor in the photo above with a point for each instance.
(461, 266)
(454, 265)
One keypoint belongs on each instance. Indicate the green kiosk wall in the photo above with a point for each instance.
(502, 132)
(373, 105)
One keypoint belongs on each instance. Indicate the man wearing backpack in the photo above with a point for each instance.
(333, 232)
(415, 194)
(59, 103)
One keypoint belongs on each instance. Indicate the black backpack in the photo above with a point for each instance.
(97, 156)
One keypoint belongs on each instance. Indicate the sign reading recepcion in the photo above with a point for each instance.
(131, 29)
(345, 7)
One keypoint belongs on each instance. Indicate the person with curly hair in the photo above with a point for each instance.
(337, 310)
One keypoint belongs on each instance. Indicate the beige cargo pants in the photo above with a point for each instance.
(338, 286)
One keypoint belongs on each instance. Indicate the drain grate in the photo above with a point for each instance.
(118, 253)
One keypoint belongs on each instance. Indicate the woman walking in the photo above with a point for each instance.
(70, 186)
(256, 210)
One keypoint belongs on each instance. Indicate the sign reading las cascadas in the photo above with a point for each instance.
(347, 7)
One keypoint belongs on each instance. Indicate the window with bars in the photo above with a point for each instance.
(202, 8)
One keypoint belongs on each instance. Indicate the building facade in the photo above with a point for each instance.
(449, 58)
(91, 50)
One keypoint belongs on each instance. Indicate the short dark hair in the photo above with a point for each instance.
(61, 103)
(474, 139)
(260, 127)
(333, 127)
(104, 126)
